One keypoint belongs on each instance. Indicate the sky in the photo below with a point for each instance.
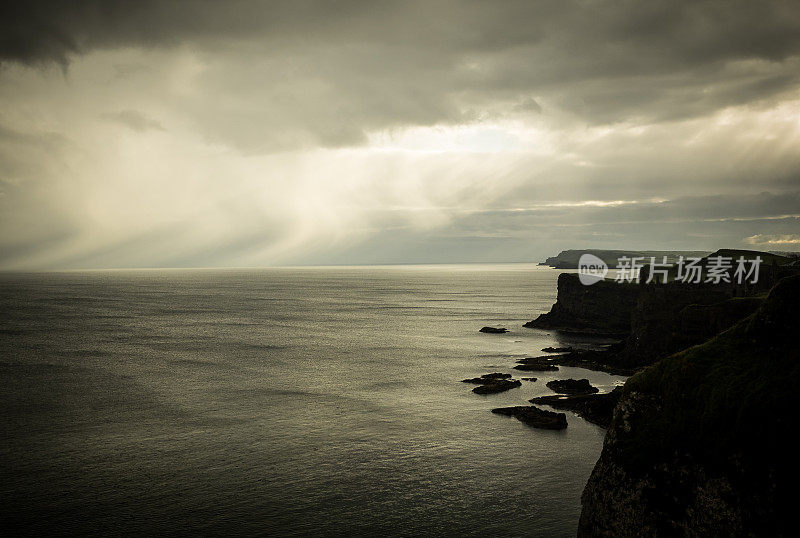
(242, 133)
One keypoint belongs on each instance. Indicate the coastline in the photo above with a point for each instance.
(648, 422)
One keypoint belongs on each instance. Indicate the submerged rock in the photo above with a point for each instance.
(496, 375)
(536, 368)
(534, 417)
(571, 386)
(595, 408)
(557, 349)
(486, 378)
(493, 383)
(493, 330)
(493, 386)
(540, 359)
(601, 360)
(536, 364)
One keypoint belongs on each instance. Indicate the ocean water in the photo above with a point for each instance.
(319, 401)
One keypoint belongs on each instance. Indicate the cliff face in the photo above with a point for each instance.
(656, 320)
(669, 318)
(699, 443)
(602, 308)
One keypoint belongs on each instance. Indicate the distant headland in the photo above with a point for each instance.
(568, 259)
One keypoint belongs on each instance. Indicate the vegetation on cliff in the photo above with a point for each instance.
(718, 392)
(700, 442)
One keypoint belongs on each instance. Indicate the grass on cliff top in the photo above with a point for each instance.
(735, 394)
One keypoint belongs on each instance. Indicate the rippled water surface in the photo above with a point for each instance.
(282, 401)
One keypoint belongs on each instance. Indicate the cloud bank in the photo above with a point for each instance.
(248, 133)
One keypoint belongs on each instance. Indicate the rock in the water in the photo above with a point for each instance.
(528, 378)
(494, 330)
(496, 375)
(557, 349)
(486, 378)
(544, 359)
(595, 408)
(493, 383)
(536, 368)
(571, 386)
(493, 386)
(603, 360)
(536, 364)
(534, 417)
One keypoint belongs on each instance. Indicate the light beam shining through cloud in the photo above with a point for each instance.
(254, 134)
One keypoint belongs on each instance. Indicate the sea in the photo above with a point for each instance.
(320, 401)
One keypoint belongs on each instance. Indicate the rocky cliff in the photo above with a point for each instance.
(602, 308)
(671, 317)
(700, 442)
(655, 320)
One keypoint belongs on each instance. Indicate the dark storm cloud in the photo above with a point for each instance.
(676, 32)
(487, 130)
(330, 72)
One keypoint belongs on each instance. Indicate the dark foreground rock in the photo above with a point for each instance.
(534, 417)
(571, 386)
(699, 444)
(536, 364)
(493, 330)
(493, 386)
(594, 408)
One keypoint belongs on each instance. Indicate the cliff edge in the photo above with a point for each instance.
(700, 442)
(603, 308)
